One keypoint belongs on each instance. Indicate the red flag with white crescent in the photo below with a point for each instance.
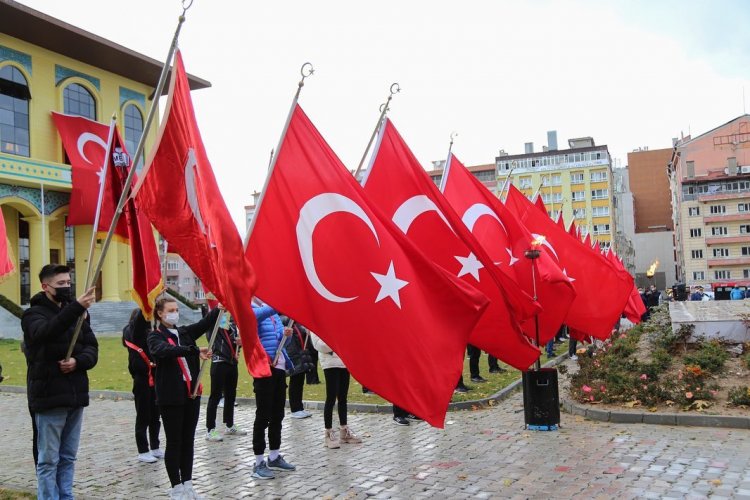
(327, 258)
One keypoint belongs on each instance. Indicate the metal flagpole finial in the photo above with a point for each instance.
(186, 4)
(306, 70)
(453, 135)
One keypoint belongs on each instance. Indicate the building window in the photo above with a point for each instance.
(79, 101)
(601, 229)
(14, 112)
(599, 176)
(746, 273)
(721, 252)
(525, 182)
(604, 245)
(584, 230)
(718, 209)
(173, 265)
(694, 211)
(186, 281)
(745, 229)
(24, 266)
(556, 180)
(699, 275)
(579, 213)
(697, 254)
(578, 195)
(133, 130)
(696, 233)
(722, 275)
(743, 207)
(719, 231)
(70, 249)
(600, 211)
(200, 295)
(599, 194)
(576, 178)
(552, 197)
(745, 251)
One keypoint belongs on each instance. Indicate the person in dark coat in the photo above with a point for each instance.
(141, 367)
(177, 358)
(296, 348)
(224, 377)
(58, 387)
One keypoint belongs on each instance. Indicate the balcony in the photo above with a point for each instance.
(724, 195)
(727, 217)
(729, 261)
(723, 240)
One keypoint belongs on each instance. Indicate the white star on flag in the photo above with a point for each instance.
(101, 175)
(513, 260)
(566, 275)
(389, 285)
(469, 265)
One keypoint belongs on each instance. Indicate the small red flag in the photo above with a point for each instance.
(398, 185)
(6, 261)
(335, 264)
(180, 197)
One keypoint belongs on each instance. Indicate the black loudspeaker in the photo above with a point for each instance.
(541, 399)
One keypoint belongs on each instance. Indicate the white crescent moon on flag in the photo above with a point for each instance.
(190, 189)
(477, 210)
(312, 212)
(413, 208)
(89, 137)
(547, 244)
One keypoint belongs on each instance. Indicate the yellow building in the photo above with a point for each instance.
(48, 65)
(577, 182)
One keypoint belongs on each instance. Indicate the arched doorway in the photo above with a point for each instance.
(22, 222)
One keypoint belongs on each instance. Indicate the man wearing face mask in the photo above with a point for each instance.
(58, 389)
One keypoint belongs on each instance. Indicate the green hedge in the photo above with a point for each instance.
(192, 305)
(11, 306)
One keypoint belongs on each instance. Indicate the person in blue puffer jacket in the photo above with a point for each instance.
(270, 393)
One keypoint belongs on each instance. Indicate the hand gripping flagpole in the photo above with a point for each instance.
(306, 71)
(282, 344)
(97, 216)
(395, 89)
(186, 4)
(214, 331)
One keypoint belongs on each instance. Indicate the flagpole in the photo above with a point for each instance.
(395, 89)
(94, 228)
(447, 163)
(44, 237)
(186, 4)
(306, 71)
(507, 180)
(214, 331)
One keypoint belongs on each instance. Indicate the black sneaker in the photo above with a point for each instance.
(413, 418)
(400, 421)
(280, 464)
(478, 379)
(461, 389)
(498, 370)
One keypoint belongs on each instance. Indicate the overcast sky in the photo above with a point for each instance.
(629, 73)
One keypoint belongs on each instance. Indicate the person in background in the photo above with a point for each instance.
(296, 348)
(736, 293)
(224, 376)
(58, 385)
(177, 359)
(697, 294)
(493, 365)
(337, 388)
(141, 368)
(311, 376)
(34, 432)
(270, 393)
(474, 354)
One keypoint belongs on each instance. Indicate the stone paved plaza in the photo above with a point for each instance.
(480, 454)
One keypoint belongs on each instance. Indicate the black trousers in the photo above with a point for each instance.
(180, 422)
(146, 415)
(223, 381)
(312, 375)
(337, 387)
(492, 362)
(34, 438)
(270, 398)
(296, 385)
(572, 346)
(399, 412)
(474, 354)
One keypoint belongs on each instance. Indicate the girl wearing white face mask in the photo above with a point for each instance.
(177, 359)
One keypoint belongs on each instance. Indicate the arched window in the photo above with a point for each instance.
(77, 100)
(14, 112)
(133, 130)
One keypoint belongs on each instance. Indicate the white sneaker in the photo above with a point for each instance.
(301, 414)
(157, 453)
(574, 357)
(146, 457)
(221, 403)
(235, 431)
(178, 492)
(190, 493)
(213, 435)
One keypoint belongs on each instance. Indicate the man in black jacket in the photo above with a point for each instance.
(58, 388)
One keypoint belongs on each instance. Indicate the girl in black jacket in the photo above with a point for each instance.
(141, 368)
(177, 364)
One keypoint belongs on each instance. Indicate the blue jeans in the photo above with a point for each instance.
(59, 433)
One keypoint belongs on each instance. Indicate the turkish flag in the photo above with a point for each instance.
(539, 203)
(6, 262)
(85, 142)
(601, 291)
(180, 197)
(505, 240)
(398, 185)
(635, 308)
(327, 258)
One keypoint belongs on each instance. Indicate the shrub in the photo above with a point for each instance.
(710, 356)
(660, 359)
(668, 339)
(746, 361)
(11, 306)
(739, 396)
(192, 305)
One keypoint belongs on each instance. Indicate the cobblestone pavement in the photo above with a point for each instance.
(480, 454)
